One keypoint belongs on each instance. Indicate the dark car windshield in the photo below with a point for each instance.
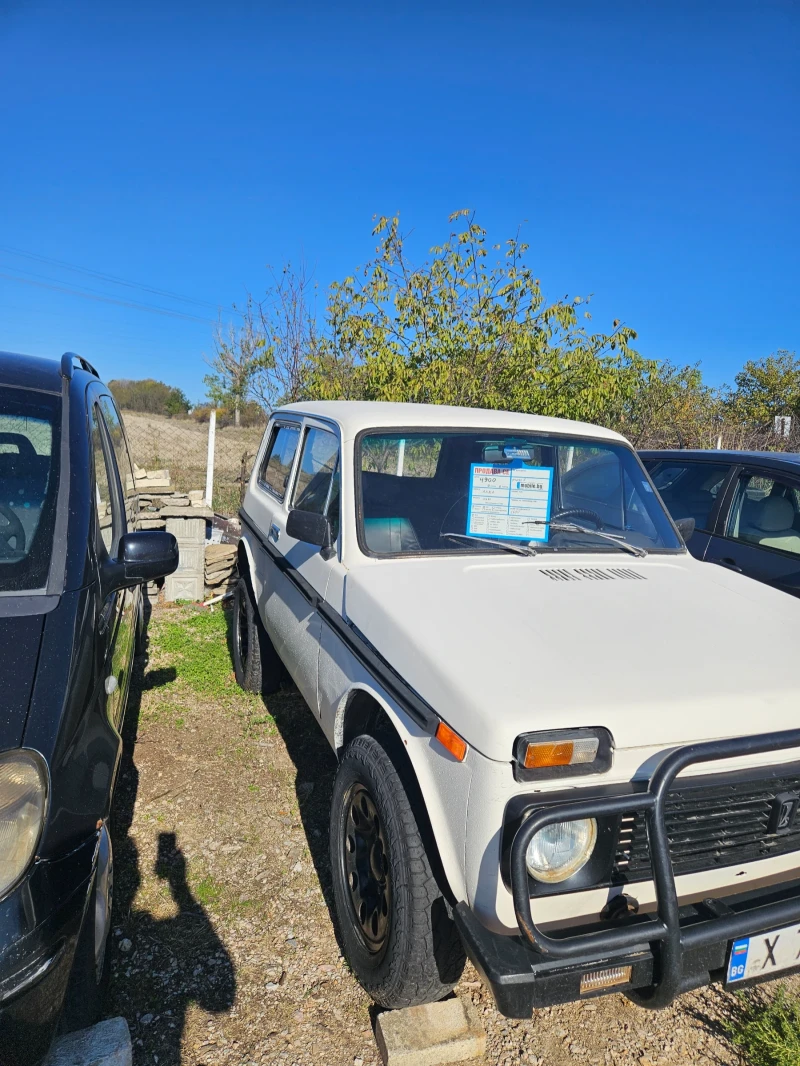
(546, 492)
(30, 425)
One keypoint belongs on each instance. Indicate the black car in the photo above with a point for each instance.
(71, 605)
(745, 506)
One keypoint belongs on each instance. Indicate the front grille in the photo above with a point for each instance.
(710, 826)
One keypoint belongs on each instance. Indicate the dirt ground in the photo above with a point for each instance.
(224, 949)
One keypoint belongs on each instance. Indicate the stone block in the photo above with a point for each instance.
(183, 587)
(183, 527)
(434, 1033)
(190, 558)
(105, 1044)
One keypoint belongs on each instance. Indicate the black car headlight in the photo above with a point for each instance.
(23, 800)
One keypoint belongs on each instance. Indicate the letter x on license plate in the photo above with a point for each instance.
(765, 954)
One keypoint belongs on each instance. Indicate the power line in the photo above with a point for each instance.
(113, 278)
(87, 295)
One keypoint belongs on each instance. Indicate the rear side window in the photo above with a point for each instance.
(766, 513)
(689, 490)
(279, 459)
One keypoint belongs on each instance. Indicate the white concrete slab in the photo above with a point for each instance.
(434, 1033)
(105, 1044)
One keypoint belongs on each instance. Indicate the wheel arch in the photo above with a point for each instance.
(364, 710)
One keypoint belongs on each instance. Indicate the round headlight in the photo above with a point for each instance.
(23, 797)
(559, 850)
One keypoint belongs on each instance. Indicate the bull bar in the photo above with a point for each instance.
(662, 934)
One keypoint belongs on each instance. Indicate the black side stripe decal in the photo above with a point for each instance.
(370, 658)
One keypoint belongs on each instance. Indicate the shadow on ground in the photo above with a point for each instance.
(182, 958)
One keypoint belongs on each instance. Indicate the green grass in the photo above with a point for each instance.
(207, 891)
(767, 1028)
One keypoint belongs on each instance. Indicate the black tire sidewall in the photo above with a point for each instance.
(248, 671)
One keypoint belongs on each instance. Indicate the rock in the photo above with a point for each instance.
(434, 1033)
(106, 1044)
(125, 945)
(196, 494)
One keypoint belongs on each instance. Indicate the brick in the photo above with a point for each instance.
(106, 1044)
(434, 1033)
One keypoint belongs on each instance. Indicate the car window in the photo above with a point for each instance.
(765, 512)
(317, 486)
(30, 427)
(279, 458)
(121, 454)
(109, 518)
(689, 490)
(412, 456)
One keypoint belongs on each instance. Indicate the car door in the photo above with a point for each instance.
(108, 523)
(692, 488)
(314, 487)
(131, 597)
(759, 528)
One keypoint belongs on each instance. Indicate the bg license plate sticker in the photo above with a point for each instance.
(768, 953)
(510, 502)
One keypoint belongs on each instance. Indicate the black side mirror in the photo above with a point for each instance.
(685, 527)
(311, 529)
(142, 556)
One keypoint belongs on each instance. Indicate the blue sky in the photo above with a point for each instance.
(651, 148)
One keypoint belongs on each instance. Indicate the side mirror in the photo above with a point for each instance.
(311, 529)
(142, 556)
(685, 527)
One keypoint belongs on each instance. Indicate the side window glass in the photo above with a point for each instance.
(690, 490)
(318, 473)
(108, 517)
(765, 513)
(114, 427)
(279, 458)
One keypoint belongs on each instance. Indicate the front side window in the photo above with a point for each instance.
(317, 486)
(689, 490)
(119, 444)
(30, 429)
(766, 512)
(106, 509)
(481, 490)
(279, 458)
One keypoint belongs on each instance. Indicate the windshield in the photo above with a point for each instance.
(457, 491)
(29, 435)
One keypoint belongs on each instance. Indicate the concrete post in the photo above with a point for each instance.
(212, 435)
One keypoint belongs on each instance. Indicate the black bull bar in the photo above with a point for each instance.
(662, 934)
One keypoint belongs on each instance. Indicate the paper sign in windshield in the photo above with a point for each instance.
(507, 501)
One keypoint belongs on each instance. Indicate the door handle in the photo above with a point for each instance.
(274, 533)
(731, 564)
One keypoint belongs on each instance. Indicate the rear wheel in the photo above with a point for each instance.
(255, 661)
(397, 932)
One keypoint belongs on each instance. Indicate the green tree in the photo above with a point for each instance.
(149, 396)
(242, 353)
(463, 330)
(766, 388)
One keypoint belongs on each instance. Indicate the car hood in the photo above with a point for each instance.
(20, 639)
(661, 651)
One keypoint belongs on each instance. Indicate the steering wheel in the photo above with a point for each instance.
(580, 512)
(13, 530)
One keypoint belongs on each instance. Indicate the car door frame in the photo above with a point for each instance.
(724, 513)
(708, 532)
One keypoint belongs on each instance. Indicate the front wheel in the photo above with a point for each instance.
(397, 932)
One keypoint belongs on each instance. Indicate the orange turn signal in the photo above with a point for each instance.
(452, 741)
(538, 755)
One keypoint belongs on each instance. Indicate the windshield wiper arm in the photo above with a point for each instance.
(517, 549)
(573, 527)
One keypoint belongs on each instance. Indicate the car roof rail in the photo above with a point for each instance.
(68, 361)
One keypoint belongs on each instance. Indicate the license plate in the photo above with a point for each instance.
(765, 954)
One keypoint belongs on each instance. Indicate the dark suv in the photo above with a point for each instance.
(71, 572)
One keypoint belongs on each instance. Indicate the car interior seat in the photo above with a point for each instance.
(771, 523)
(386, 535)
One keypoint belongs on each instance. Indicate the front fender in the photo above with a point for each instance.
(443, 781)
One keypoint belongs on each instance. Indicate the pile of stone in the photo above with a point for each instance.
(156, 496)
(220, 570)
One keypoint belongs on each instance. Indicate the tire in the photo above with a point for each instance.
(255, 661)
(399, 937)
(91, 965)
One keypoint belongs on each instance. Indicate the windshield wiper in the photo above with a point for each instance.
(573, 527)
(517, 549)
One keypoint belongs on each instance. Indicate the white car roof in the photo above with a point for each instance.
(353, 416)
